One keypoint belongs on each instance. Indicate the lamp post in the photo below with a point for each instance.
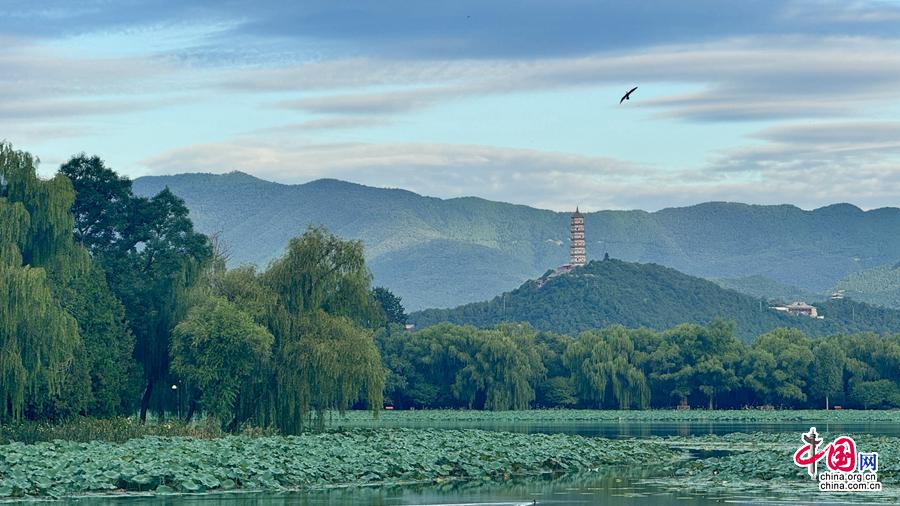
(175, 389)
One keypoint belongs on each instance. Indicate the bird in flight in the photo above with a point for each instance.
(627, 96)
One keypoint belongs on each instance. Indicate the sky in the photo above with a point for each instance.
(763, 102)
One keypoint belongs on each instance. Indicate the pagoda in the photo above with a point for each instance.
(576, 252)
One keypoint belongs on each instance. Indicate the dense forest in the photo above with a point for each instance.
(514, 366)
(607, 292)
(115, 306)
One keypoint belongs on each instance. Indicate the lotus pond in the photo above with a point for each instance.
(355, 457)
(424, 458)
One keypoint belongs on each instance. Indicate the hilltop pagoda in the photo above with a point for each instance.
(576, 250)
(577, 256)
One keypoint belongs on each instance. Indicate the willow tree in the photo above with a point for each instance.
(221, 354)
(603, 363)
(325, 357)
(330, 364)
(38, 338)
(504, 365)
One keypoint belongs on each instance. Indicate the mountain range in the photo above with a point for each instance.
(445, 252)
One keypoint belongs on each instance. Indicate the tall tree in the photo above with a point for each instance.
(325, 357)
(220, 353)
(602, 364)
(390, 305)
(102, 203)
(827, 378)
(150, 252)
(152, 273)
(38, 338)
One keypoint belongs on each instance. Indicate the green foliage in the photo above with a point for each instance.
(452, 366)
(113, 375)
(766, 288)
(99, 376)
(38, 338)
(220, 351)
(151, 255)
(603, 363)
(646, 295)
(322, 272)
(827, 372)
(310, 312)
(756, 461)
(103, 202)
(445, 366)
(115, 429)
(328, 363)
(779, 366)
(355, 457)
(390, 306)
(324, 355)
(497, 420)
(879, 285)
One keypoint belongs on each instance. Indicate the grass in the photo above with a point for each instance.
(118, 430)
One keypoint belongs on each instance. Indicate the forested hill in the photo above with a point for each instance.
(442, 253)
(648, 295)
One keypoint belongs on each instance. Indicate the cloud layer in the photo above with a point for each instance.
(790, 101)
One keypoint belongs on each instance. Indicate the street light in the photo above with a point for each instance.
(175, 389)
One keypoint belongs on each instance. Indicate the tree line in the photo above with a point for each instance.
(114, 305)
(514, 366)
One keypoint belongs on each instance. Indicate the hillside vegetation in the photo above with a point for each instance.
(612, 292)
(442, 253)
(879, 285)
(767, 288)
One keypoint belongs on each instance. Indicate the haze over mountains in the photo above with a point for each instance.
(442, 253)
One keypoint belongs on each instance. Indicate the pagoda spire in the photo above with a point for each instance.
(577, 251)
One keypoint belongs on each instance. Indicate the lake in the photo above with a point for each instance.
(610, 486)
(642, 429)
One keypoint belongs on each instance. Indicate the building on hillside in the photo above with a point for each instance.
(577, 255)
(838, 295)
(799, 308)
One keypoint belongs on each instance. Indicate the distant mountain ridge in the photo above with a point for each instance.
(610, 292)
(441, 253)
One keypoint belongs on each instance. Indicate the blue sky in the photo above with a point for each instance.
(763, 102)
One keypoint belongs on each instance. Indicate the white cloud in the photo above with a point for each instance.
(743, 79)
(542, 179)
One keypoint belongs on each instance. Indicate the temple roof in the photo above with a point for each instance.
(577, 214)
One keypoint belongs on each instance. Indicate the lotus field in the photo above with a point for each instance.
(351, 454)
(167, 465)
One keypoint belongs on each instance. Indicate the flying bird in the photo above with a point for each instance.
(627, 96)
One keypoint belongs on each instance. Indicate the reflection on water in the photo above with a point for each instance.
(611, 487)
(631, 429)
(614, 487)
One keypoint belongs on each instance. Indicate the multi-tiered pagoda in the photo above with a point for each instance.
(577, 256)
(576, 250)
